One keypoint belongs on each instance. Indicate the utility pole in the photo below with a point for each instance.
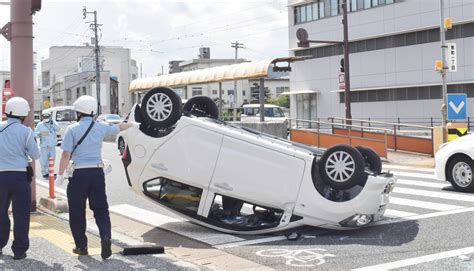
(97, 53)
(444, 70)
(20, 34)
(347, 83)
(237, 45)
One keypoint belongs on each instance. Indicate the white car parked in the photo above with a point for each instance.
(237, 180)
(454, 162)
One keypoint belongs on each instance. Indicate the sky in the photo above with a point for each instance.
(158, 31)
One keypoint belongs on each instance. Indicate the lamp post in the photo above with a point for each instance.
(302, 36)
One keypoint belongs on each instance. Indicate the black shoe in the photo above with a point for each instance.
(19, 257)
(106, 248)
(46, 176)
(80, 251)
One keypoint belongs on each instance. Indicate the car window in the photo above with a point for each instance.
(66, 115)
(177, 196)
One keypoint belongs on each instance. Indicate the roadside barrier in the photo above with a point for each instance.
(51, 177)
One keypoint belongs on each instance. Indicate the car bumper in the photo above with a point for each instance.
(441, 158)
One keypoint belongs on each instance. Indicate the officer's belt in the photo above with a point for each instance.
(13, 170)
(100, 165)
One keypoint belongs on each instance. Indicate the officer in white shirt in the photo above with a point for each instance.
(17, 146)
(87, 181)
(47, 131)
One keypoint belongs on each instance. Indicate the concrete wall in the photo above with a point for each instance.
(278, 129)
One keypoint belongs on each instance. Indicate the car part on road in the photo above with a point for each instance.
(460, 171)
(293, 236)
(371, 158)
(201, 106)
(143, 250)
(161, 107)
(342, 167)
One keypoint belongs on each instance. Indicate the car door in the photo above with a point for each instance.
(257, 174)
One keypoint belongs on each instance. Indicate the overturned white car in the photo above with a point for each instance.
(241, 181)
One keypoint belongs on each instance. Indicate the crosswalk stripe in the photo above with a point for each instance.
(414, 175)
(396, 214)
(423, 204)
(421, 183)
(399, 167)
(432, 194)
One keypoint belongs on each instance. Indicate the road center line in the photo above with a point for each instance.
(418, 260)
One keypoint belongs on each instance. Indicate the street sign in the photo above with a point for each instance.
(342, 84)
(457, 104)
(452, 57)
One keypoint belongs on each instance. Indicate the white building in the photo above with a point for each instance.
(68, 60)
(393, 48)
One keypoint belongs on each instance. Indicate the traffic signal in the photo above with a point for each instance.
(342, 64)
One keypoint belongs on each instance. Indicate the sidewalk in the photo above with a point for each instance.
(51, 247)
(409, 159)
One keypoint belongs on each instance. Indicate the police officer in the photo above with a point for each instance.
(87, 181)
(17, 144)
(46, 131)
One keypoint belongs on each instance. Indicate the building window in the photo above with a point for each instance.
(243, 92)
(280, 90)
(68, 96)
(84, 92)
(334, 7)
(230, 92)
(353, 5)
(402, 94)
(214, 92)
(321, 9)
(399, 40)
(78, 92)
(367, 4)
(196, 91)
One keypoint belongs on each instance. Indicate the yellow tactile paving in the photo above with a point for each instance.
(58, 233)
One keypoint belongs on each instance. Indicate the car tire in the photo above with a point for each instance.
(161, 107)
(121, 145)
(342, 167)
(201, 106)
(460, 173)
(371, 159)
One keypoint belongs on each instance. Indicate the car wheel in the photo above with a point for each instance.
(161, 107)
(460, 171)
(371, 158)
(201, 106)
(121, 145)
(342, 167)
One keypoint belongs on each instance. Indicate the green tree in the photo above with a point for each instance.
(282, 100)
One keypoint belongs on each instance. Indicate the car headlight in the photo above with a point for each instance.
(357, 220)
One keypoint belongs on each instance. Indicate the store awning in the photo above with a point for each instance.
(250, 70)
(299, 92)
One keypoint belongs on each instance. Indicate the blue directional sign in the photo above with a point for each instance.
(457, 104)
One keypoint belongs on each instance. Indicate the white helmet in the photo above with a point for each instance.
(17, 107)
(86, 104)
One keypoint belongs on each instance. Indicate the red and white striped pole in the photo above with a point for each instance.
(51, 177)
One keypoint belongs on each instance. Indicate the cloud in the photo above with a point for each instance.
(158, 31)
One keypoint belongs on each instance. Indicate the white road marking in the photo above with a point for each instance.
(400, 167)
(422, 183)
(432, 194)
(251, 242)
(397, 214)
(424, 216)
(414, 175)
(423, 204)
(418, 260)
(181, 227)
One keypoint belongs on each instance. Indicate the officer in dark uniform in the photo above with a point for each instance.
(87, 181)
(17, 145)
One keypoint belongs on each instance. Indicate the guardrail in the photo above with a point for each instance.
(406, 137)
(321, 134)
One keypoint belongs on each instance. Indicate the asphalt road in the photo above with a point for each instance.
(437, 238)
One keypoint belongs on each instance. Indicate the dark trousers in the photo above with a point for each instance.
(87, 184)
(15, 188)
